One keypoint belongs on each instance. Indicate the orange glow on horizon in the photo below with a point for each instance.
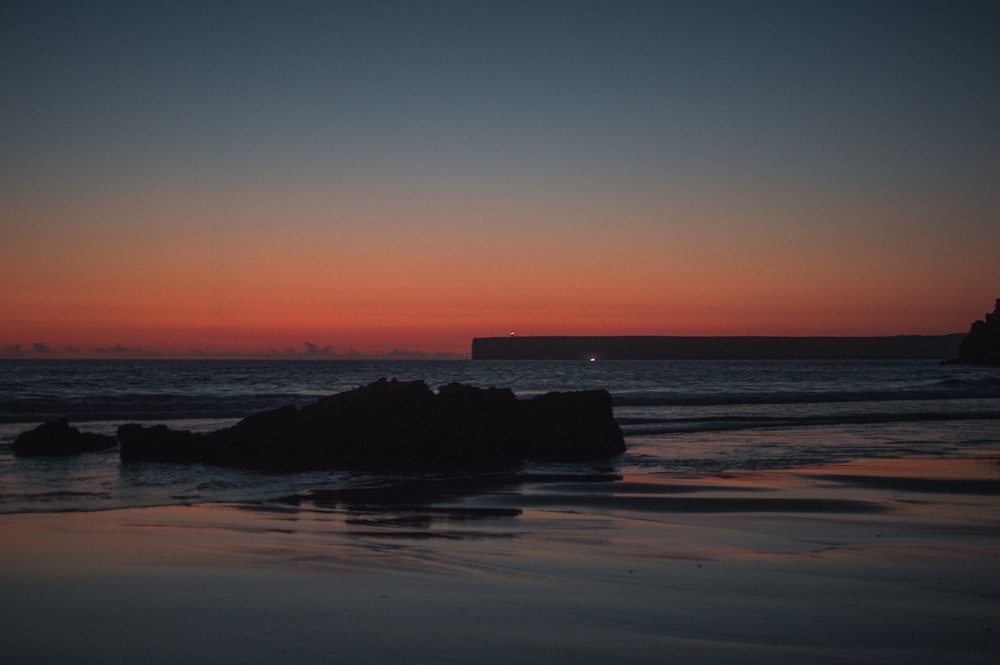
(422, 280)
(384, 327)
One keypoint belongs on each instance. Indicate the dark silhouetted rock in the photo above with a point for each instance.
(562, 427)
(399, 425)
(480, 425)
(982, 345)
(258, 441)
(159, 443)
(58, 438)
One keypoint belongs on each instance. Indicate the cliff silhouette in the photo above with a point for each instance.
(936, 347)
(982, 345)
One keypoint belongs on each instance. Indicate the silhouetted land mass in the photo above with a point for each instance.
(982, 345)
(58, 438)
(938, 347)
(393, 425)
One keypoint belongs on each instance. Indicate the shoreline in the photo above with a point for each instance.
(886, 561)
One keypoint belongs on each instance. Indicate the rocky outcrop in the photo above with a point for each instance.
(982, 345)
(159, 443)
(399, 425)
(58, 438)
(567, 426)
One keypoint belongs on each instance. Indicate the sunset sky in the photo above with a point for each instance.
(246, 176)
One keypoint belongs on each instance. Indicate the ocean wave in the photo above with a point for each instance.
(985, 382)
(149, 406)
(143, 406)
(962, 389)
(644, 426)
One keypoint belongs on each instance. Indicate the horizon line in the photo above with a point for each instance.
(42, 351)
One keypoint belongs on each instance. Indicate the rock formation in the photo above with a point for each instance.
(58, 438)
(982, 345)
(398, 425)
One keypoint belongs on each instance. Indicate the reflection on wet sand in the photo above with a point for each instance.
(854, 563)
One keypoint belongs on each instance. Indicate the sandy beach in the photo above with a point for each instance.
(882, 561)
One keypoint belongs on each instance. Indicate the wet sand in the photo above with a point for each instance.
(889, 561)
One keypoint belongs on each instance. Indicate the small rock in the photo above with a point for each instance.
(56, 437)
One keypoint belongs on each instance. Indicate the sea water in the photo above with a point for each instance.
(677, 416)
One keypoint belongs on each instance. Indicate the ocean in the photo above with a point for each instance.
(677, 416)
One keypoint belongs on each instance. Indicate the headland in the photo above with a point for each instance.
(898, 347)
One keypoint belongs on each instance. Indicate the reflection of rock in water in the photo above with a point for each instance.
(398, 425)
(982, 345)
(432, 506)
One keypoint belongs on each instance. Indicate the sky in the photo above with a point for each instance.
(251, 176)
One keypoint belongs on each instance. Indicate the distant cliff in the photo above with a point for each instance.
(936, 347)
(982, 345)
